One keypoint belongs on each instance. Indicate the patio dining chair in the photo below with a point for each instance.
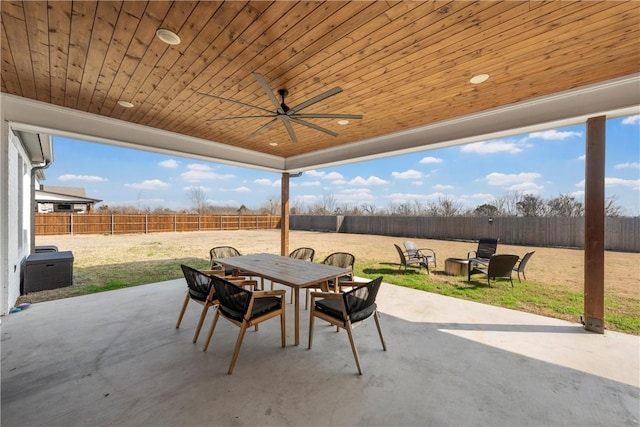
(305, 254)
(227, 252)
(201, 291)
(345, 309)
(415, 252)
(486, 248)
(336, 259)
(500, 265)
(244, 309)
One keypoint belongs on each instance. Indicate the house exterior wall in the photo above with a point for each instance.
(15, 229)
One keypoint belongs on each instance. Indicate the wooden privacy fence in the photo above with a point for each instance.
(621, 234)
(65, 223)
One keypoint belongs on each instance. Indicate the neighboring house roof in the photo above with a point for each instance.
(50, 197)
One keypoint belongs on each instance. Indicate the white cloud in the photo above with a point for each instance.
(554, 135)
(409, 174)
(169, 164)
(197, 175)
(198, 167)
(372, 180)
(339, 182)
(527, 188)
(633, 184)
(490, 147)
(355, 196)
(630, 165)
(443, 187)
(314, 172)
(501, 179)
(150, 184)
(242, 190)
(263, 181)
(582, 157)
(411, 197)
(417, 182)
(429, 160)
(631, 120)
(305, 199)
(223, 202)
(310, 184)
(481, 196)
(88, 178)
(333, 175)
(577, 194)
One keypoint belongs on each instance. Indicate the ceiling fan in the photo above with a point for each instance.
(285, 114)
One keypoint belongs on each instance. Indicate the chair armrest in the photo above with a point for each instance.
(272, 293)
(428, 249)
(469, 254)
(329, 295)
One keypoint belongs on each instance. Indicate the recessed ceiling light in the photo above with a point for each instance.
(343, 122)
(167, 36)
(125, 104)
(480, 78)
(273, 144)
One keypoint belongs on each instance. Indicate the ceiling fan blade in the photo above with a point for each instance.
(239, 117)
(312, 126)
(268, 91)
(234, 101)
(327, 116)
(263, 128)
(315, 99)
(287, 124)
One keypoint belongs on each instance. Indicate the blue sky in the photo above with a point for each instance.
(547, 164)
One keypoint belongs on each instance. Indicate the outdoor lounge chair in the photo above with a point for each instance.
(344, 309)
(486, 248)
(414, 251)
(244, 309)
(406, 259)
(522, 264)
(500, 265)
(227, 252)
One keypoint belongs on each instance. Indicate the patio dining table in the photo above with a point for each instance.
(291, 272)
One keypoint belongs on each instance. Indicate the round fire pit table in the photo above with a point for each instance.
(456, 266)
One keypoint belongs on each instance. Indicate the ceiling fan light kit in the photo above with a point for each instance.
(284, 113)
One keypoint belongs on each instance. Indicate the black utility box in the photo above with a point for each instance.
(48, 270)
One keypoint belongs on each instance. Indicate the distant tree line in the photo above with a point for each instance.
(513, 203)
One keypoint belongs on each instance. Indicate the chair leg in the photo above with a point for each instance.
(184, 308)
(203, 315)
(283, 327)
(311, 318)
(236, 351)
(210, 334)
(353, 346)
(377, 319)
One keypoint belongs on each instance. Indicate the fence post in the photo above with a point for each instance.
(113, 226)
(175, 226)
(71, 223)
(146, 224)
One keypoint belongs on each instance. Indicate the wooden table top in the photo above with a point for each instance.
(283, 269)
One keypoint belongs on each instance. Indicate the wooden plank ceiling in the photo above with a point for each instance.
(400, 64)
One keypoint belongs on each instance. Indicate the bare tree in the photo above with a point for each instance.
(368, 208)
(565, 206)
(508, 204)
(328, 202)
(612, 208)
(198, 199)
(272, 206)
(448, 207)
(531, 206)
(485, 210)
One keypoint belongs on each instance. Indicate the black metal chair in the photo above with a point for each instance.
(244, 309)
(406, 259)
(344, 309)
(500, 265)
(415, 252)
(486, 248)
(522, 264)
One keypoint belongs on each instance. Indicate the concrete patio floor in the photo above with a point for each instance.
(116, 359)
